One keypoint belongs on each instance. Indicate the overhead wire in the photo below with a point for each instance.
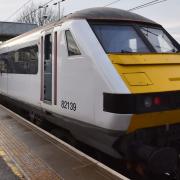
(111, 3)
(14, 13)
(145, 4)
(151, 3)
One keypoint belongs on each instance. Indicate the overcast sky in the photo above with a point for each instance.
(166, 13)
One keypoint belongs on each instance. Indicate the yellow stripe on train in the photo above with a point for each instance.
(156, 119)
(148, 72)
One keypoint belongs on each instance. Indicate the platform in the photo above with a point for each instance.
(29, 152)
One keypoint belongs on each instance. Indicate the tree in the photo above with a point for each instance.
(36, 14)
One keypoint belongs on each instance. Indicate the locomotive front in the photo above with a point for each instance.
(147, 60)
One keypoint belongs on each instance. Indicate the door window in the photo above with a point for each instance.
(48, 68)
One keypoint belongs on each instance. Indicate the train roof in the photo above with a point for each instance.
(94, 14)
(109, 14)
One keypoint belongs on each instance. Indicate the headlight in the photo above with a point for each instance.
(148, 102)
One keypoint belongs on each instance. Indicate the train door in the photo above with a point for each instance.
(48, 68)
(3, 75)
(46, 65)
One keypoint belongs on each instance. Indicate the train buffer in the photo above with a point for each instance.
(28, 152)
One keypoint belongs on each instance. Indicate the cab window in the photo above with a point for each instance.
(72, 47)
(119, 38)
(159, 40)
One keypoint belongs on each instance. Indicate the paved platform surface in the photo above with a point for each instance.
(35, 154)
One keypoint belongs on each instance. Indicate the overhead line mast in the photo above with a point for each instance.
(45, 4)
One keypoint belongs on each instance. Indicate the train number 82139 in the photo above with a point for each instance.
(68, 105)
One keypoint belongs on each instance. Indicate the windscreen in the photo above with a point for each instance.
(119, 39)
(159, 40)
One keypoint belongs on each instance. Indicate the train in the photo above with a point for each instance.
(108, 76)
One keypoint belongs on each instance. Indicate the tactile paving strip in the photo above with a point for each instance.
(8, 169)
(31, 165)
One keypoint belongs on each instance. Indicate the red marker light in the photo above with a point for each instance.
(157, 101)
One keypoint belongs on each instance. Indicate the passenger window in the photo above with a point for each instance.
(26, 60)
(21, 61)
(72, 47)
(3, 66)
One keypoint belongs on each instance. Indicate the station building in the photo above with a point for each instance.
(9, 30)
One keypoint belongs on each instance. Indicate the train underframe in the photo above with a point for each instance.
(155, 150)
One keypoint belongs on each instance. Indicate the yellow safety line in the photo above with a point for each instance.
(10, 163)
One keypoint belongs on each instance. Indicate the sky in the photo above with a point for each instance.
(166, 13)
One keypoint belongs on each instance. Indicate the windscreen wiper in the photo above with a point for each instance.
(148, 31)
